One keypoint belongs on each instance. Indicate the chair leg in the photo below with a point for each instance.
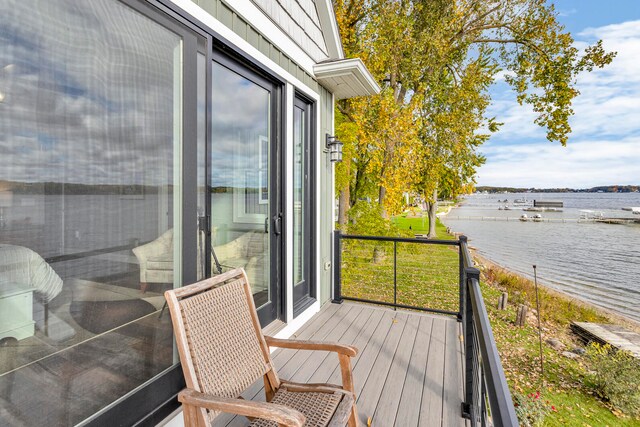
(353, 419)
(162, 311)
(347, 384)
(143, 287)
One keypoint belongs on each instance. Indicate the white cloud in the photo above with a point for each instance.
(604, 147)
(582, 164)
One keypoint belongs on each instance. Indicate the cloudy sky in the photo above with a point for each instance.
(604, 147)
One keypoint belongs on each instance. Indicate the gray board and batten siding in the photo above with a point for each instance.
(299, 19)
(225, 14)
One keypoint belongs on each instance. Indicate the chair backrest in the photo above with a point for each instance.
(221, 346)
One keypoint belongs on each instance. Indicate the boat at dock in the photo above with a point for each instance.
(534, 218)
(588, 214)
(522, 201)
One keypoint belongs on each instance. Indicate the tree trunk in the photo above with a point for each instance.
(433, 208)
(382, 192)
(343, 206)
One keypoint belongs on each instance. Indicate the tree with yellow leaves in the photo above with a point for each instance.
(436, 61)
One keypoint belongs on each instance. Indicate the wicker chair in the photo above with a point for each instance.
(223, 351)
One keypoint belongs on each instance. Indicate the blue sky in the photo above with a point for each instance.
(604, 147)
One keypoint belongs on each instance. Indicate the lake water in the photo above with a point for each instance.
(599, 263)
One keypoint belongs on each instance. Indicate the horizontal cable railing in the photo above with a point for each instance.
(420, 274)
(397, 272)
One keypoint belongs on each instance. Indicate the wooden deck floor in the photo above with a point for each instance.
(408, 371)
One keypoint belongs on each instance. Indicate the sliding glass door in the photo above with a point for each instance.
(246, 218)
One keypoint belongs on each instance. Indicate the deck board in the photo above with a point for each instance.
(369, 394)
(411, 398)
(431, 407)
(408, 371)
(389, 402)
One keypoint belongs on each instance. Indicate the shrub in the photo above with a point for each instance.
(531, 409)
(614, 377)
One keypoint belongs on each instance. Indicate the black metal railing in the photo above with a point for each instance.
(487, 398)
(453, 304)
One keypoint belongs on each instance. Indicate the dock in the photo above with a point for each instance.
(618, 220)
(616, 336)
(514, 219)
(560, 220)
(548, 204)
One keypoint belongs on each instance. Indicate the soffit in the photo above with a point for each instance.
(346, 78)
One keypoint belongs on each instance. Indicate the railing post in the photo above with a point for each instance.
(462, 243)
(337, 267)
(471, 357)
(395, 274)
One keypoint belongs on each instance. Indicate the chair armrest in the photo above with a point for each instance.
(153, 248)
(270, 411)
(347, 350)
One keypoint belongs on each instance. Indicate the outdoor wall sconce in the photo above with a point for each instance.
(335, 148)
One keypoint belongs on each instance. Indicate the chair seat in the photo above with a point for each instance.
(318, 408)
(161, 262)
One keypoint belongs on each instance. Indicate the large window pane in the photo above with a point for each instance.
(90, 136)
(240, 170)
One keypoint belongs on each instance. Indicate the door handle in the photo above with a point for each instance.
(277, 224)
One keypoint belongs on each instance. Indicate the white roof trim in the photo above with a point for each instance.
(330, 29)
(346, 78)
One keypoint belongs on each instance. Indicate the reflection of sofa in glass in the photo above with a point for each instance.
(247, 251)
(23, 274)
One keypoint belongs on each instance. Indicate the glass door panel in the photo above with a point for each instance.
(241, 191)
(302, 290)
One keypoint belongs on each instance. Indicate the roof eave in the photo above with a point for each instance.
(330, 29)
(346, 78)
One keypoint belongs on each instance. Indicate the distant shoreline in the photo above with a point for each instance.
(600, 189)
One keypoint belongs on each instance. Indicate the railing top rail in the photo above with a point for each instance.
(401, 239)
(466, 255)
(502, 410)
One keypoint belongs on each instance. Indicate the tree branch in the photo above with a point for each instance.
(345, 111)
(516, 41)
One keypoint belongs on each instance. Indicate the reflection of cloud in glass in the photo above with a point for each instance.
(240, 116)
(89, 94)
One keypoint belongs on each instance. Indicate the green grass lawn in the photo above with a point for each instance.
(420, 225)
(427, 276)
